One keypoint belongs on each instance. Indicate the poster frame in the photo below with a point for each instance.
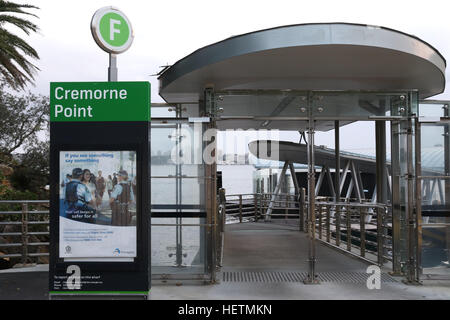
(135, 136)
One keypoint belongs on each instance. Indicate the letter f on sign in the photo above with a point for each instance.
(112, 28)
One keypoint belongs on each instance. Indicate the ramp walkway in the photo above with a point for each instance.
(268, 261)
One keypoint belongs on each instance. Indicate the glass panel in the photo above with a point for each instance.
(435, 191)
(262, 105)
(172, 245)
(433, 149)
(162, 111)
(177, 195)
(358, 105)
(164, 144)
(436, 245)
(431, 111)
(161, 150)
(165, 184)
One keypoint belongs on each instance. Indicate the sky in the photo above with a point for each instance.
(166, 31)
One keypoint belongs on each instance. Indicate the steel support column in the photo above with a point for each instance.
(344, 176)
(294, 179)
(277, 191)
(447, 154)
(447, 168)
(403, 184)
(410, 202)
(337, 150)
(397, 233)
(320, 180)
(381, 185)
(312, 277)
(179, 190)
(211, 186)
(357, 182)
(418, 195)
(331, 182)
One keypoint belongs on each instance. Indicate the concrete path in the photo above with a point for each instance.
(20, 285)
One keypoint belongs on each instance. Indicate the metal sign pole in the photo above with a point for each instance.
(112, 70)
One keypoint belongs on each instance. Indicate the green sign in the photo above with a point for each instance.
(99, 101)
(112, 30)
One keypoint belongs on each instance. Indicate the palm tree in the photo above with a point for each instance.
(15, 67)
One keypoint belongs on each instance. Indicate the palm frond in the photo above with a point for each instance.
(7, 6)
(15, 68)
(8, 39)
(23, 24)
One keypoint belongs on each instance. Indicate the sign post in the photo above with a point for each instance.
(113, 33)
(100, 174)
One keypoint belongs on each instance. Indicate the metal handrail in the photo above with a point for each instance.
(24, 221)
(350, 214)
(334, 220)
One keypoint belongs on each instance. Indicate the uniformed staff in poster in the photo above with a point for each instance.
(121, 198)
(84, 193)
(78, 198)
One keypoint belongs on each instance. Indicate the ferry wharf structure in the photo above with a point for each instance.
(309, 78)
(306, 78)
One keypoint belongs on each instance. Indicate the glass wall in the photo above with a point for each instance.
(178, 196)
(435, 189)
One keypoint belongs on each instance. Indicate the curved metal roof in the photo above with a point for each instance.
(298, 153)
(324, 56)
(432, 158)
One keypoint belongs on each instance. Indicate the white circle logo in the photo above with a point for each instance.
(112, 30)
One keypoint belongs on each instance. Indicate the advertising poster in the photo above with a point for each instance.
(98, 205)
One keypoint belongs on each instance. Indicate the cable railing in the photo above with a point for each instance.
(24, 231)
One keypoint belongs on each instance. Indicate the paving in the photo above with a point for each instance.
(262, 261)
(24, 284)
